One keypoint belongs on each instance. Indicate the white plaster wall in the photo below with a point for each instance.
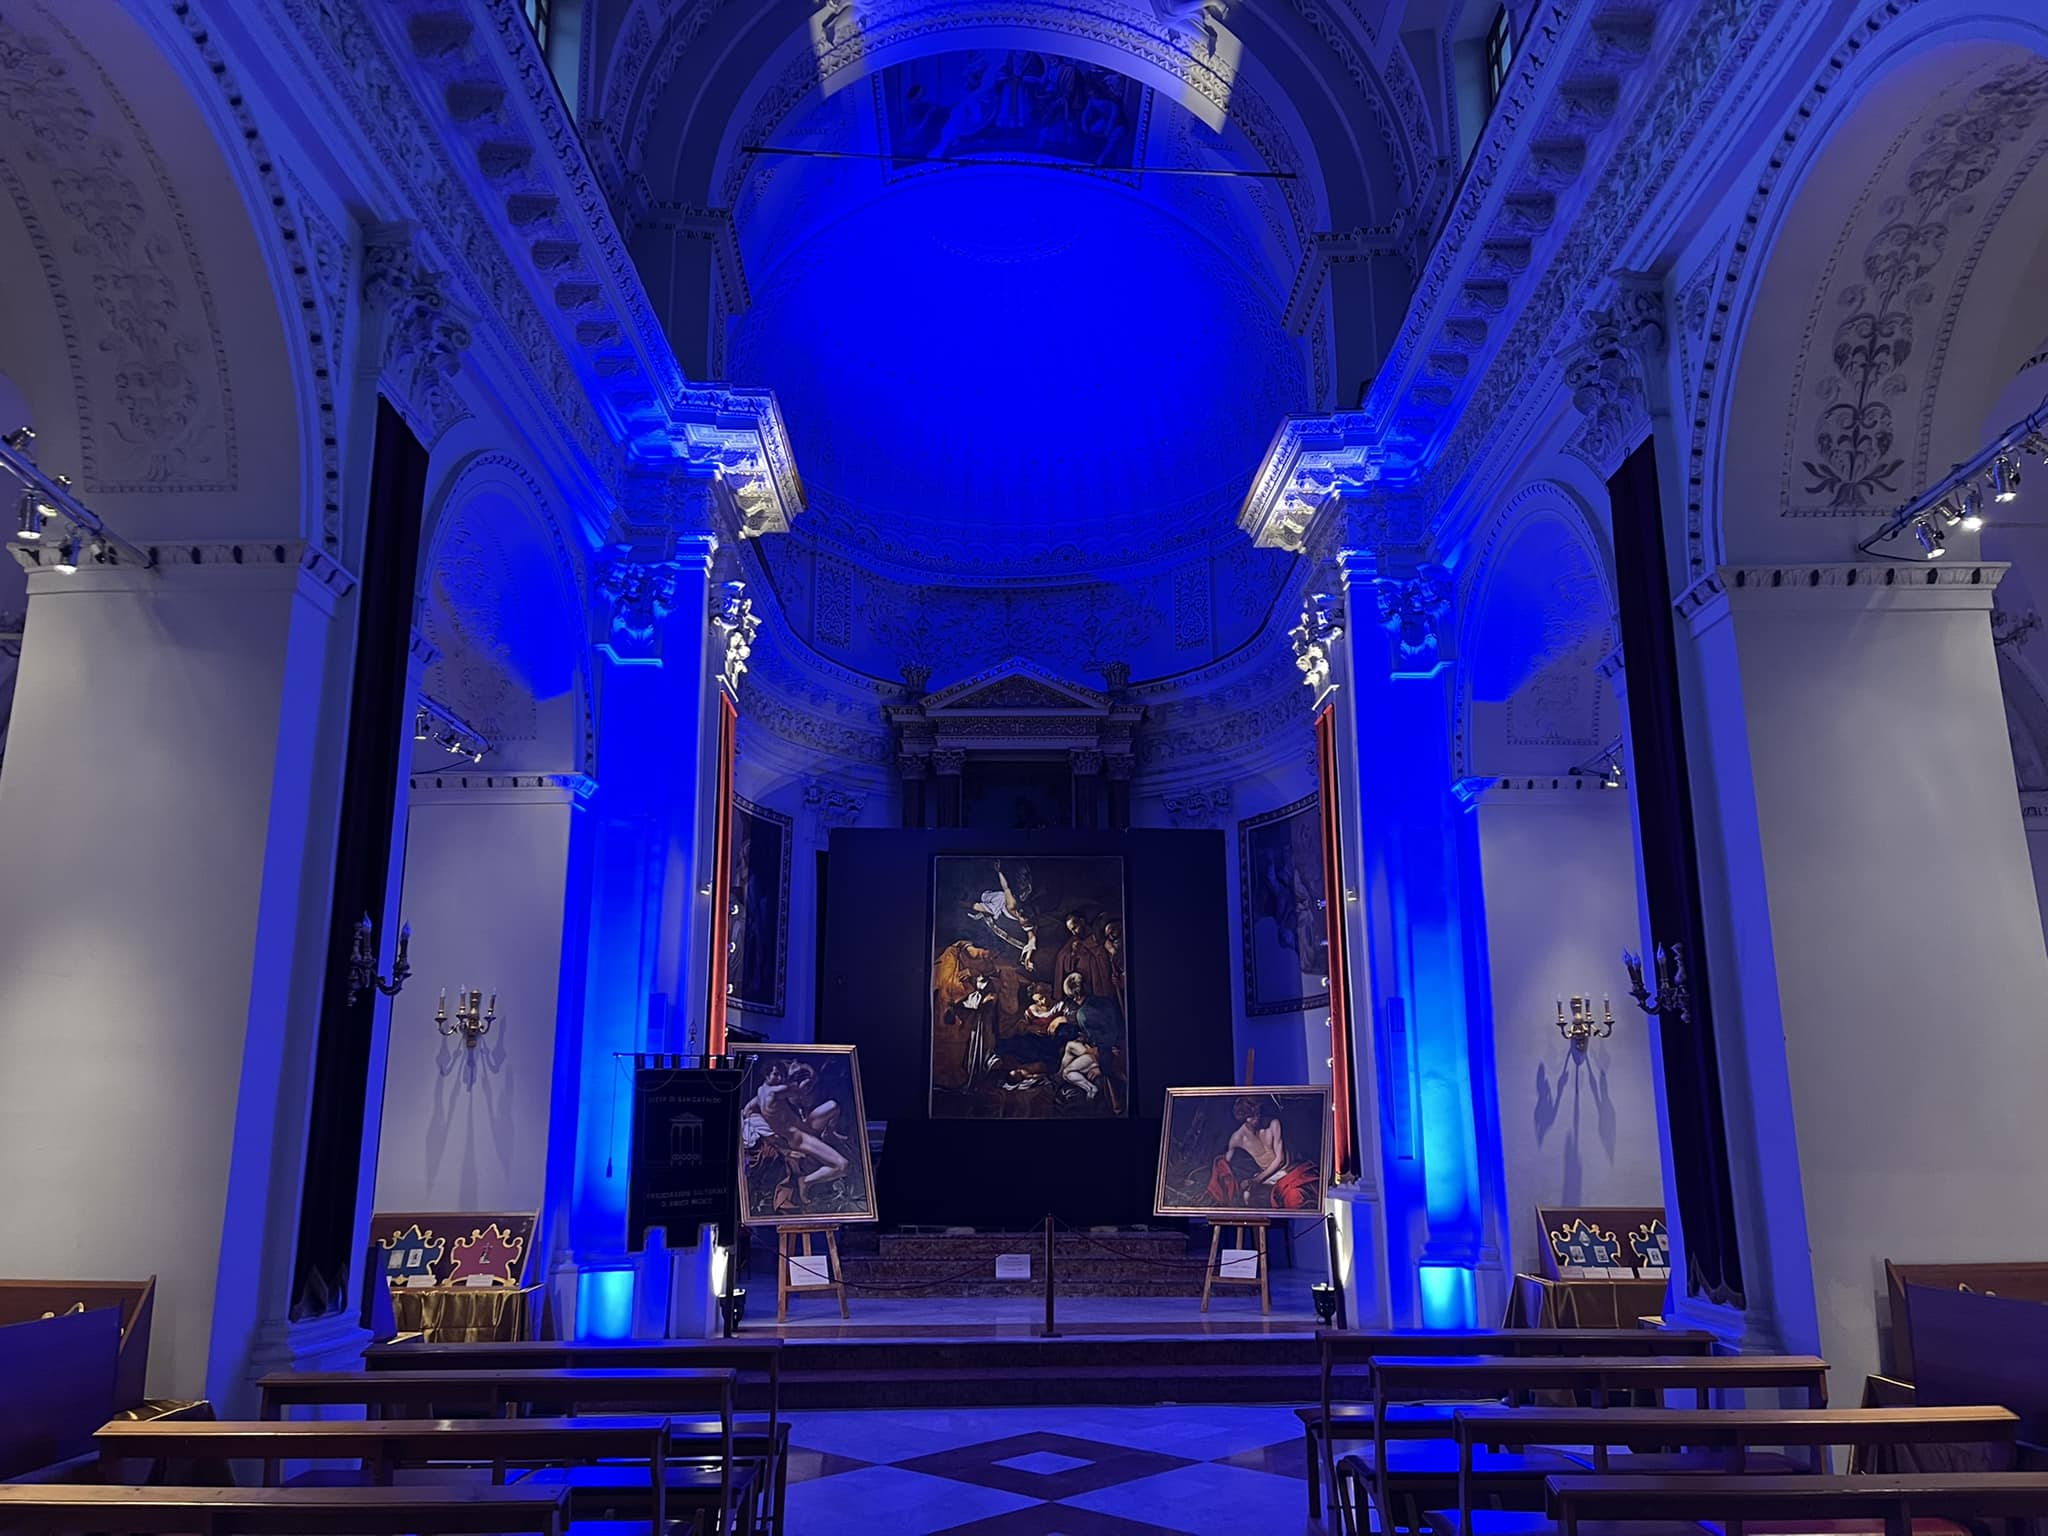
(154, 810)
(466, 1128)
(1560, 900)
(1909, 961)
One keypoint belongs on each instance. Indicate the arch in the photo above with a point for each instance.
(1898, 226)
(502, 599)
(151, 339)
(1536, 613)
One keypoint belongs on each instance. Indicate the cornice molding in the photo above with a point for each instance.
(1546, 790)
(267, 565)
(1858, 585)
(572, 789)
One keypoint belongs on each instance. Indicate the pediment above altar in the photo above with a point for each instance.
(1014, 685)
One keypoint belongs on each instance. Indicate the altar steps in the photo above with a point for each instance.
(1079, 1369)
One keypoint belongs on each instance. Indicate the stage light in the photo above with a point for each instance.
(30, 519)
(1973, 508)
(1612, 780)
(20, 439)
(1932, 540)
(68, 553)
(422, 724)
(2005, 478)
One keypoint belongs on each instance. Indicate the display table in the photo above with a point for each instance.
(1537, 1302)
(466, 1314)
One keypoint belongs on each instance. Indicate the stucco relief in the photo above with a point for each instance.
(468, 596)
(148, 375)
(1863, 392)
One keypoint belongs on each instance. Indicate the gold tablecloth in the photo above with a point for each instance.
(466, 1314)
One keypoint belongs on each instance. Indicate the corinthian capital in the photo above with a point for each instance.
(1415, 607)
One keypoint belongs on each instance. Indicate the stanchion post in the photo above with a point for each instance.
(1336, 1273)
(1051, 1328)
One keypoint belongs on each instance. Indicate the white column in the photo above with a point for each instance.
(1883, 1003)
(155, 813)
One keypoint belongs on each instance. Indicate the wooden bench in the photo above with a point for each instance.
(677, 1394)
(1889, 1502)
(1477, 1379)
(77, 1509)
(1331, 1421)
(758, 1361)
(1736, 1434)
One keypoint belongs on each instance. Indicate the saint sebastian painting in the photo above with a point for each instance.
(1030, 988)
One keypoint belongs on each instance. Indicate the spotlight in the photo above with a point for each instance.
(1946, 511)
(32, 514)
(20, 439)
(1973, 508)
(68, 553)
(1613, 778)
(2005, 478)
(476, 754)
(422, 725)
(1932, 540)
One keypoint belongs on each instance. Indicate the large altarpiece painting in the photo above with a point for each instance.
(1030, 992)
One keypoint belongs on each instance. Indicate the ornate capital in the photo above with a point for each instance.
(426, 332)
(1085, 762)
(913, 766)
(733, 619)
(638, 590)
(948, 761)
(1414, 607)
(1611, 373)
(1315, 639)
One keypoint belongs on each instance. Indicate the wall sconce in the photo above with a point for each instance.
(1671, 997)
(1583, 1025)
(471, 1019)
(362, 963)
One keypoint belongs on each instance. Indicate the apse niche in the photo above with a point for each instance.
(494, 610)
(1027, 391)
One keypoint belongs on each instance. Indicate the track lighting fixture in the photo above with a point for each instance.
(1933, 542)
(1973, 508)
(2005, 478)
(422, 724)
(21, 439)
(29, 523)
(1612, 779)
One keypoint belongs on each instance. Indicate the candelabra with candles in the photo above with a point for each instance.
(471, 1019)
(1582, 1025)
(1671, 997)
(362, 963)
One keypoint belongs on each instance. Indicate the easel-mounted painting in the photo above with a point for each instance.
(479, 1248)
(758, 909)
(803, 1138)
(1621, 1242)
(1281, 899)
(1242, 1152)
(1030, 988)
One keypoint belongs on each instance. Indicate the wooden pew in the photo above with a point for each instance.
(78, 1509)
(759, 1362)
(565, 1391)
(1331, 1421)
(1737, 1433)
(1477, 1378)
(1891, 1502)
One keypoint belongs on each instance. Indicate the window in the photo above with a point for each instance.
(1500, 51)
(537, 18)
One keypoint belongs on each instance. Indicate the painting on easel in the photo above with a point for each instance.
(1243, 1152)
(803, 1138)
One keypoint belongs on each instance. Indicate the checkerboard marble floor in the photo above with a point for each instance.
(1197, 1471)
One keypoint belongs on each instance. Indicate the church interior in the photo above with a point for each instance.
(1380, 868)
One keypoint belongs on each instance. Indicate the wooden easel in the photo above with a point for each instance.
(789, 1248)
(1214, 1275)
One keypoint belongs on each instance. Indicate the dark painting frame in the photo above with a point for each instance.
(766, 1138)
(1022, 1048)
(1194, 1138)
(757, 971)
(1285, 846)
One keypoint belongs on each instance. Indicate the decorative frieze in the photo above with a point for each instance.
(1206, 805)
